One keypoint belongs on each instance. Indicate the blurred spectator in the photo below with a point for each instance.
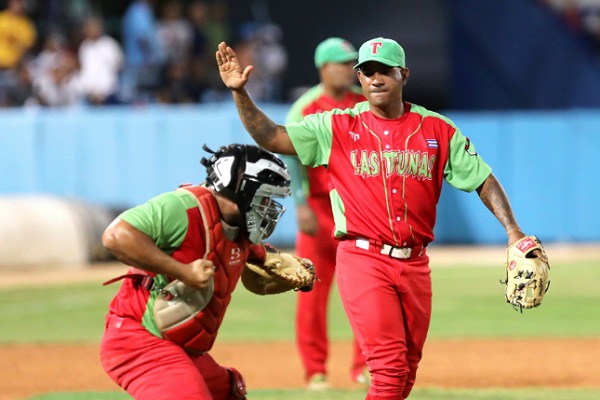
(201, 55)
(65, 16)
(174, 32)
(176, 86)
(590, 20)
(20, 91)
(143, 57)
(17, 34)
(17, 37)
(216, 29)
(55, 46)
(569, 11)
(100, 59)
(217, 25)
(261, 47)
(198, 14)
(272, 61)
(61, 86)
(583, 17)
(572, 14)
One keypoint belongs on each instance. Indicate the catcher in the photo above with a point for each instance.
(527, 270)
(187, 250)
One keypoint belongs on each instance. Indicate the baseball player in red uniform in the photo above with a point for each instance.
(387, 159)
(335, 59)
(201, 236)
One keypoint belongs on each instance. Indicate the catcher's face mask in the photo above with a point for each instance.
(262, 217)
(251, 177)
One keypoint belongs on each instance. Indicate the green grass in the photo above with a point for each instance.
(468, 303)
(417, 394)
(73, 313)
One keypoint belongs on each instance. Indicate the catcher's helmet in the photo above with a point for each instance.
(251, 177)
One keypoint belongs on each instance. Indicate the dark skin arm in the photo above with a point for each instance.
(266, 133)
(133, 247)
(494, 197)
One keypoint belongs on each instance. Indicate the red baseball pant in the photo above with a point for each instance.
(311, 314)
(388, 302)
(150, 368)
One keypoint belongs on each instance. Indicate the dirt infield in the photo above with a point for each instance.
(30, 369)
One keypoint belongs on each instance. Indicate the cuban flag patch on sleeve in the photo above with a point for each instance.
(432, 143)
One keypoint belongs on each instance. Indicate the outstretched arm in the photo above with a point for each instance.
(495, 199)
(264, 131)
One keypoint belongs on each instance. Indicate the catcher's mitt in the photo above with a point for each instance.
(526, 274)
(279, 272)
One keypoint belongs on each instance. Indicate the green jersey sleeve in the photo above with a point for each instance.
(465, 169)
(163, 218)
(312, 138)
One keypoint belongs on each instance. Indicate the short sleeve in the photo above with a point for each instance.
(163, 218)
(312, 138)
(465, 169)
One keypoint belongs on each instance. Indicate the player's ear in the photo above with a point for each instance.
(359, 75)
(405, 74)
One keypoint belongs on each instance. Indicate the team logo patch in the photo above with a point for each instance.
(432, 143)
(236, 256)
(354, 136)
(468, 147)
(526, 245)
(375, 46)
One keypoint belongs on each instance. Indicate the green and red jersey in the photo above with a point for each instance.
(183, 223)
(386, 175)
(313, 182)
(167, 233)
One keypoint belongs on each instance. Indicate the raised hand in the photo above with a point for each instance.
(230, 69)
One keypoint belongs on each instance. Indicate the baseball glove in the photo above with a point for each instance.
(526, 274)
(278, 273)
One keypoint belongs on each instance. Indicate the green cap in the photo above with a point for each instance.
(385, 51)
(334, 50)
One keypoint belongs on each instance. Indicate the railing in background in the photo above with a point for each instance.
(119, 157)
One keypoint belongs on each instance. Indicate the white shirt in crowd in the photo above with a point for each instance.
(100, 61)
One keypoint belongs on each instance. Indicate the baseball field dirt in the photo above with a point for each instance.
(30, 369)
(34, 369)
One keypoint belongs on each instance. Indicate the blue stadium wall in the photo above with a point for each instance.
(547, 162)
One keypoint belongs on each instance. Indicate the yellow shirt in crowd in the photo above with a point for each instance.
(17, 35)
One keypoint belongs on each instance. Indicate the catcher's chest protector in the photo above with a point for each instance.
(199, 333)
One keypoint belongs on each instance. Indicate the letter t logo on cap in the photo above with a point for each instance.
(375, 47)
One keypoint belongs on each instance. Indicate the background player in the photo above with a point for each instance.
(334, 59)
(196, 234)
(386, 160)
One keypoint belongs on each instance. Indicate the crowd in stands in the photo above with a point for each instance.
(581, 16)
(163, 52)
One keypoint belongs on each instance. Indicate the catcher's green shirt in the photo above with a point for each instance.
(163, 218)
